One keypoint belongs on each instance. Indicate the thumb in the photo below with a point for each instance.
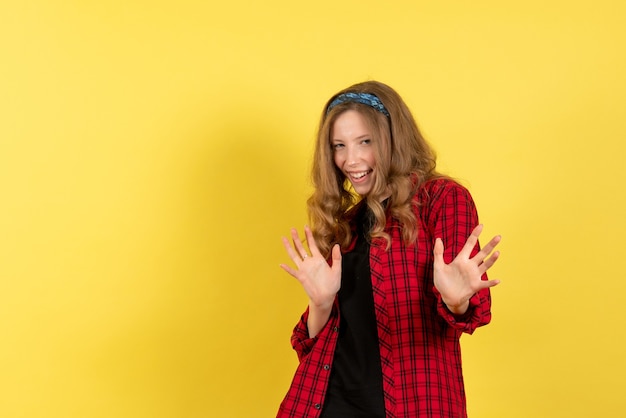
(438, 250)
(336, 255)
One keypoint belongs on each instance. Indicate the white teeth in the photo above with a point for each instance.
(359, 175)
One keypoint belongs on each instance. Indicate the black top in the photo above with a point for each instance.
(355, 389)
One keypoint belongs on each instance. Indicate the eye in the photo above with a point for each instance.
(337, 146)
(366, 141)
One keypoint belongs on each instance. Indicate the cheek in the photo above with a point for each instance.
(337, 160)
(371, 159)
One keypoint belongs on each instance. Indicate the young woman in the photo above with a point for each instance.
(393, 270)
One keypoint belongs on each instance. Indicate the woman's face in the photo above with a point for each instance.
(353, 150)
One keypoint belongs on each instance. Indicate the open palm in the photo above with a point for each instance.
(320, 281)
(458, 281)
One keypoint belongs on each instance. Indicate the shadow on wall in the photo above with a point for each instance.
(215, 311)
(242, 194)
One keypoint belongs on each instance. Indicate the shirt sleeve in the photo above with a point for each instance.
(453, 217)
(300, 340)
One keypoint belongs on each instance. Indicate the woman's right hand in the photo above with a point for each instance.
(320, 281)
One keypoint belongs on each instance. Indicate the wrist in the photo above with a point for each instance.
(318, 317)
(457, 309)
(325, 305)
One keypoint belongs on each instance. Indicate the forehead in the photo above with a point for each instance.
(350, 123)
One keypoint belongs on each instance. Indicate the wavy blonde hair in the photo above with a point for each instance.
(404, 161)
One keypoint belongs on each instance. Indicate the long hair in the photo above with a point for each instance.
(404, 161)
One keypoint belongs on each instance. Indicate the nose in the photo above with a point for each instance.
(353, 156)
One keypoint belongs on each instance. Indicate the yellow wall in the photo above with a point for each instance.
(152, 153)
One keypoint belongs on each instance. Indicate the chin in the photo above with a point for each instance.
(363, 192)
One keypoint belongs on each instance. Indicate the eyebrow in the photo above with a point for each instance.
(358, 137)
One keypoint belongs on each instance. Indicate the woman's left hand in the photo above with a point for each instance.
(458, 281)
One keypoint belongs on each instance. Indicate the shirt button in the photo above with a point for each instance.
(335, 329)
(326, 367)
(318, 406)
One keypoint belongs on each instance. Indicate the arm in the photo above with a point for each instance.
(318, 317)
(320, 281)
(302, 342)
(458, 281)
(459, 276)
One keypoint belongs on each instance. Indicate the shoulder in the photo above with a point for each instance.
(436, 190)
(442, 198)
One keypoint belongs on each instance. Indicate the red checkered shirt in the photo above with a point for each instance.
(418, 336)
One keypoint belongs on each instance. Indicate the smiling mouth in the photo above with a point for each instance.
(359, 175)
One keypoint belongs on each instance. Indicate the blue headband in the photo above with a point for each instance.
(364, 98)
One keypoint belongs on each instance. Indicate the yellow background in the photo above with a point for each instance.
(152, 153)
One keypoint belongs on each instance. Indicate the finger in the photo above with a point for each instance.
(486, 265)
(487, 249)
(291, 252)
(438, 251)
(289, 270)
(471, 241)
(310, 239)
(486, 284)
(336, 256)
(297, 243)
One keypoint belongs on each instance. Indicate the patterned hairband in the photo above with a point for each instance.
(364, 98)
